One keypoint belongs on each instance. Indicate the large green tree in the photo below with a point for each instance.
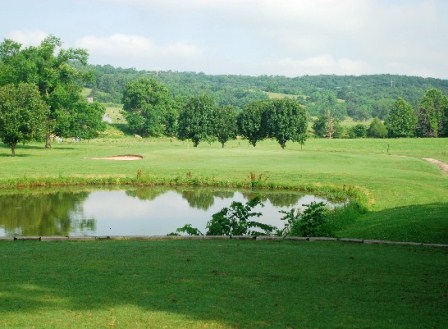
(22, 114)
(54, 71)
(147, 107)
(196, 120)
(401, 120)
(250, 122)
(432, 114)
(226, 127)
(285, 120)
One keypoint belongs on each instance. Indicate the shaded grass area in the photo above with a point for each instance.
(423, 223)
(221, 284)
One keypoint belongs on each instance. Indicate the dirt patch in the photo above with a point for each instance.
(125, 157)
(443, 166)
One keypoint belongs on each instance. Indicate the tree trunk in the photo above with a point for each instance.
(48, 141)
(13, 150)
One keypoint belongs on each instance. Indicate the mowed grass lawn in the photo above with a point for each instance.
(221, 284)
(409, 194)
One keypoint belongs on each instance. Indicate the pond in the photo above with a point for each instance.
(131, 211)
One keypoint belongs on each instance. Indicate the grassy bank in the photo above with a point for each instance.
(221, 284)
(408, 196)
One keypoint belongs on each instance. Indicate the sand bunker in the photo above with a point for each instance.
(443, 166)
(125, 157)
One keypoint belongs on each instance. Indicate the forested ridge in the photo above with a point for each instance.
(360, 97)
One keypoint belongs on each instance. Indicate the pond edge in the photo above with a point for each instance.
(218, 237)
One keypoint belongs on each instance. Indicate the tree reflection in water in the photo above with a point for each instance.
(277, 199)
(146, 193)
(198, 198)
(48, 213)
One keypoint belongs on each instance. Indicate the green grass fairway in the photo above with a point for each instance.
(410, 195)
(221, 284)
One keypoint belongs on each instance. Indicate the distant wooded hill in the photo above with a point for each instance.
(360, 97)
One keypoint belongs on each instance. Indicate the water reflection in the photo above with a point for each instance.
(144, 193)
(135, 211)
(42, 213)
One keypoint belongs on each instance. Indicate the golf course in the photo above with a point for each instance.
(171, 283)
(224, 164)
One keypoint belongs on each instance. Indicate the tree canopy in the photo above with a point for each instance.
(146, 107)
(401, 119)
(22, 113)
(432, 114)
(226, 127)
(196, 120)
(250, 122)
(285, 120)
(53, 70)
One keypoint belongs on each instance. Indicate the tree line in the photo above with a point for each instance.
(150, 110)
(40, 94)
(429, 118)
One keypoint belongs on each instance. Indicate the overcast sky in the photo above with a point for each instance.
(250, 37)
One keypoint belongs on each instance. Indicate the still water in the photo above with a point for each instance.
(133, 211)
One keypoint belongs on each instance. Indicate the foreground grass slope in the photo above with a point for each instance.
(409, 195)
(221, 284)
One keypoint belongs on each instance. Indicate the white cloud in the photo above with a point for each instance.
(319, 36)
(322, 64)
(27, 37)
(138, 51)
(117, 46)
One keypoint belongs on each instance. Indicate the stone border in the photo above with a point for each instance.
(217, 237)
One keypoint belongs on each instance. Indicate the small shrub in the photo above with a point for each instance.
(233, 220)
(339, 131)
(236, 220)
(311, 222)
(256, 180)
(377, 129)
(358, 131)
(189, 230)
(290, 217)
